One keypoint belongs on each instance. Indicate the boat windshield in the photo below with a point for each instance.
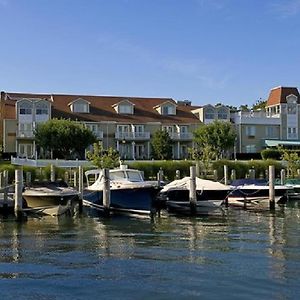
(126, 175)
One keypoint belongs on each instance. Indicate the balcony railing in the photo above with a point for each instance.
(25, 134)
(181, 136)
(132, 135)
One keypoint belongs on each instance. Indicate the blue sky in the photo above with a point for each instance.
(207, 51)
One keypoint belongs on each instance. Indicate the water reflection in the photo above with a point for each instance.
(240, 249)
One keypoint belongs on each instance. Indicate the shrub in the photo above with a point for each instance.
(271, 154)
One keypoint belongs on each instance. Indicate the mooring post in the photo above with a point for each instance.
(272, 187)
(1, 180)
(252, 173)
(233, 175)
(197, 168)
(5, 191)
(215, 175)
(282, 177)
(160, 177)
(225, 174)
(18, 192)
(106, 191)
(66, 177)
(28, 178)
(192, 190)
(75, 179)
(52, 173)
(80, 186)
(177, 174)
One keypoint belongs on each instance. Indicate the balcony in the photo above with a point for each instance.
(132, 136)
(25, 134)
(255, 118)
(181, 136)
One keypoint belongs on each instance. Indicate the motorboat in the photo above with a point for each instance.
(129, 192)
(254, 193)
(51, 198)
(294, 185)
(210, 195)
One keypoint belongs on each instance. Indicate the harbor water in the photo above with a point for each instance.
(234, 254)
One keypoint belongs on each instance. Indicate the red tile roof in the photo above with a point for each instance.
(278, 95)
(101, 109)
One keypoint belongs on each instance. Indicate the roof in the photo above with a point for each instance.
(101, 109)
(278, 95)
(275, 143)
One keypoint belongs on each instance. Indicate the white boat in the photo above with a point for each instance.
(51, 198)
(254, 193)
(209, 194)
(129, 192)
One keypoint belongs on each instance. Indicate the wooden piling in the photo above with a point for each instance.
(252, 174)
(282, 177)
(272, 187)
(233, 175)
(5, 190)
(80, 187)
(160, 177)
(215, 172)
(28, 178)
(192, 190)
(75, 179)
(225, 174)
(197, 168)
(106, 191)
(52, 173)
(18, 192)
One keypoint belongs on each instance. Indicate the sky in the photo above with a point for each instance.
(206, 51)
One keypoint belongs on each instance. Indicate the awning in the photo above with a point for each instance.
(275, 143)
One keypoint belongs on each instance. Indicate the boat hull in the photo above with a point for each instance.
(177, 201)
(138, 200)
(50, 199)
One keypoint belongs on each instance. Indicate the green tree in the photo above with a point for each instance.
(64, 138)
(213, 140)
(103, 158)
(161, 145)
(292, 160)
(260, 104)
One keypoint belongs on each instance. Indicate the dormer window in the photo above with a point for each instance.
(167, 108)
(80, 106)
(41, 108)
(124, 107)
(209, 113)
(25, 108)
(222, 114)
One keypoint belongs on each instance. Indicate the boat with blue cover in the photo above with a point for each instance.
(129, 192)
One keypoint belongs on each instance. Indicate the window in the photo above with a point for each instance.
(209, 113)
(222, 114)
(125, 109)
(271, 132)
(25, 108)
(41, 109)
(168, 129)
(292, 133)
(250, 148)
(291, 108)
(250, 131)
(168, 109)
(80, 107)
(139, 130)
